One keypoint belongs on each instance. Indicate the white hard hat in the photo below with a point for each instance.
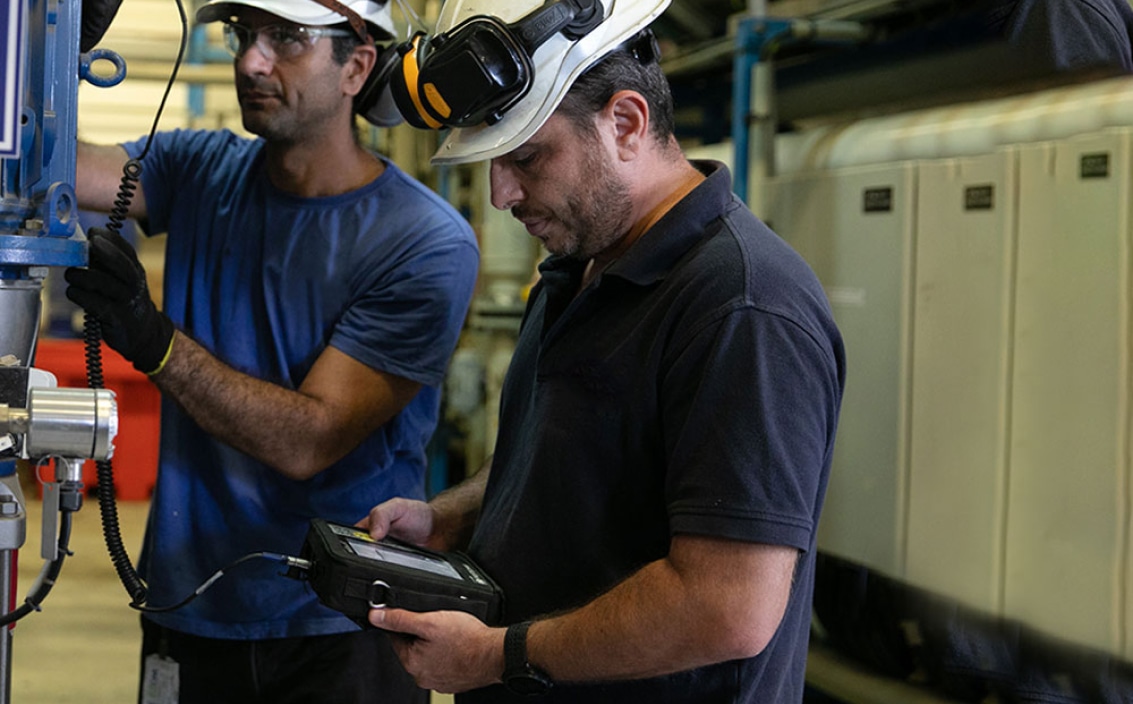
(557, 63)
(308, 12)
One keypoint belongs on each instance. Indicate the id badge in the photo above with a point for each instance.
(162, 681)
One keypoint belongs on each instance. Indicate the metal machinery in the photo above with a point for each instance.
(39, 423)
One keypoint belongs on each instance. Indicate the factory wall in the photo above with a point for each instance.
(977, 259)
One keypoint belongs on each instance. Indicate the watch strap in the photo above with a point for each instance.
(515, 647)
(520, 676)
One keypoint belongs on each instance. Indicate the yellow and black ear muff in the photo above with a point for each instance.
(408, 93)
(478, 70)
(471, 75)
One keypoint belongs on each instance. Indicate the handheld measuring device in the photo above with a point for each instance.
(353, 573)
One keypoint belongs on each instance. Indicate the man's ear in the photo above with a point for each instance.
(628, 113)
(357, 68)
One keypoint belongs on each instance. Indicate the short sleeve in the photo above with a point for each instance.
(407, 323)
(751, 400)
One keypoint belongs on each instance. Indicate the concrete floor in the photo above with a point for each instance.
(83, 646)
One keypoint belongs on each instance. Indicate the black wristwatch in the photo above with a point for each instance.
(520, 676)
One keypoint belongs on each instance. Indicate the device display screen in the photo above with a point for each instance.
(389, 553)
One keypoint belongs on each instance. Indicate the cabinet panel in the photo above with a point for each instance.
(1068, 503)
(855, 228)
(961, 352)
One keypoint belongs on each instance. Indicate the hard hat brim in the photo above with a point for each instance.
(306, 12)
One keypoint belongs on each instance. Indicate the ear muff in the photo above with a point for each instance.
(463, 78)
(477, 71)
(405, 86)
(374, 101)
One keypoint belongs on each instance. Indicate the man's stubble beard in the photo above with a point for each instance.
(602, 209)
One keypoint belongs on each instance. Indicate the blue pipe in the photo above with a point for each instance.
(757, 39)
(753, 35)
(201, 51)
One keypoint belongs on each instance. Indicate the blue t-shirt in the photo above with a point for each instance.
(266, 281)
(692, 388)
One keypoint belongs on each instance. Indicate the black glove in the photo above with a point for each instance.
(113, 289)
(97, 16)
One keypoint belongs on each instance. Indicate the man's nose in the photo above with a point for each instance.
(254, 59)
(506, 192)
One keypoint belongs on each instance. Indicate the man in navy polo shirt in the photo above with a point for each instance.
(667, 421)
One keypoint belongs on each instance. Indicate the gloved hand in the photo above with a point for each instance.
(113, 289)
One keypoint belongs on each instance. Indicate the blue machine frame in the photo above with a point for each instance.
(38, 209)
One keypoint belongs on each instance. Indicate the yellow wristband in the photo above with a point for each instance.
(165, 359)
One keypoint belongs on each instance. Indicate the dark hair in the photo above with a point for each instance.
(632, 66)
(340, 50)
(343, 47)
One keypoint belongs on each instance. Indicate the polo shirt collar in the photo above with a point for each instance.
(678, 230)
(670, 238)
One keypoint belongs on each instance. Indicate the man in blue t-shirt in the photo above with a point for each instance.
(313, 294)
(667, 421)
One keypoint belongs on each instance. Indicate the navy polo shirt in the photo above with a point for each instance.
(693, 387)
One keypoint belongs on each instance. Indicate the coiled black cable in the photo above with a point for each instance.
(131, 176)
(92, 337)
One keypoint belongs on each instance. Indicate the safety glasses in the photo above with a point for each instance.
(277, 41)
